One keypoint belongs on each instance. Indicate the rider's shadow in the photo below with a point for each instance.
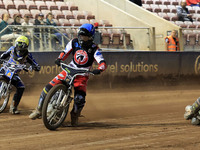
(95, 125)
(111, 125)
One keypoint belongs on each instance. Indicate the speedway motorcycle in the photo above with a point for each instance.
(56, 104)
(7, 73)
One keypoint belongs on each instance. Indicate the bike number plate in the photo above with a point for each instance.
(9, 74)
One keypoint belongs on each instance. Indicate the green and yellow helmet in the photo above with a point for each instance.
(22, 42)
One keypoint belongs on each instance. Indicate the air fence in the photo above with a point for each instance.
(125, 67)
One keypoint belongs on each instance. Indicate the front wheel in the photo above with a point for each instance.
(53, 111)
(4, 94)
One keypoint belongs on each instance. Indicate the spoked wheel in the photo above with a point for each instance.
(53, 112)
(4, 94)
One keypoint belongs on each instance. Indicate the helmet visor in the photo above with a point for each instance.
(85, 32)
(21, 45)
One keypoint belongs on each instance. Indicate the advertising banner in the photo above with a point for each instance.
(125, 64)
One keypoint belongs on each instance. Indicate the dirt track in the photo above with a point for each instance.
(143, 118)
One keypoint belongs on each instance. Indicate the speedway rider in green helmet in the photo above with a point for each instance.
(18, 54)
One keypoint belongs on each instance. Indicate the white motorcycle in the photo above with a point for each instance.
(5, 81)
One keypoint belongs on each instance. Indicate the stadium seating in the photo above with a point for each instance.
(105, 23)
(105, 38)
(30, 5)
(62, 6)
(82, 21)
(13, 12)
(72, 33)
(41, 5)
(164, 15)
(64, 22)
(165, 2)
(78, 14)
(2, 6)
(155, 8)
(20, 5)
(35, 12)
(58, 14)
(115, 37)
(68, 14)
(197, 9)
(172, 8)
(92, 21)
(88, 15)
(9, 4)
(148, 2)
(72, 6)
(51, 5)
(166, 9)
(45, 12)
(74, 22)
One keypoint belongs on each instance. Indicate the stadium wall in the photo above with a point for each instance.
(125, 67)
(123, 13)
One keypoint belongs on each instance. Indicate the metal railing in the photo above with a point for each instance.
(42, 40)
(191, 39)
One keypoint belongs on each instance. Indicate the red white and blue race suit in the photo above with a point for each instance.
(83, 57)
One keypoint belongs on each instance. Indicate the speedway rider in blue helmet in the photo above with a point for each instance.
(84, 52)
(19, 54)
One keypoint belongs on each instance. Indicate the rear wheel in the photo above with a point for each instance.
(53, 112)
(4, 94)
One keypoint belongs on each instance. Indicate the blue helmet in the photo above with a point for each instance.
(87, 30)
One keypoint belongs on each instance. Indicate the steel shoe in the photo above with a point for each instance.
(36, 114)
(74, 118)
(14, 111)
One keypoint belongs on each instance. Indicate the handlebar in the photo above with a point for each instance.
(6, 63)
(89, 71)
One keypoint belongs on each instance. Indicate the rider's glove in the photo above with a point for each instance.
(96, 71)
(58, 61)
(37, 67)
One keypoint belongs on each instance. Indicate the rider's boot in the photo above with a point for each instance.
(75, 114)
(16, 100)
(190, 110)
(13, 108)
(37, 113)
(79, 102)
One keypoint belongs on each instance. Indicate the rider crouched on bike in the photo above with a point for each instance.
(18, 54)
(192, 112)
(84, 52)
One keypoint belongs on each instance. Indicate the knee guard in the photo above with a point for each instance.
(43, 95)
(79, 102)
(18, 95)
